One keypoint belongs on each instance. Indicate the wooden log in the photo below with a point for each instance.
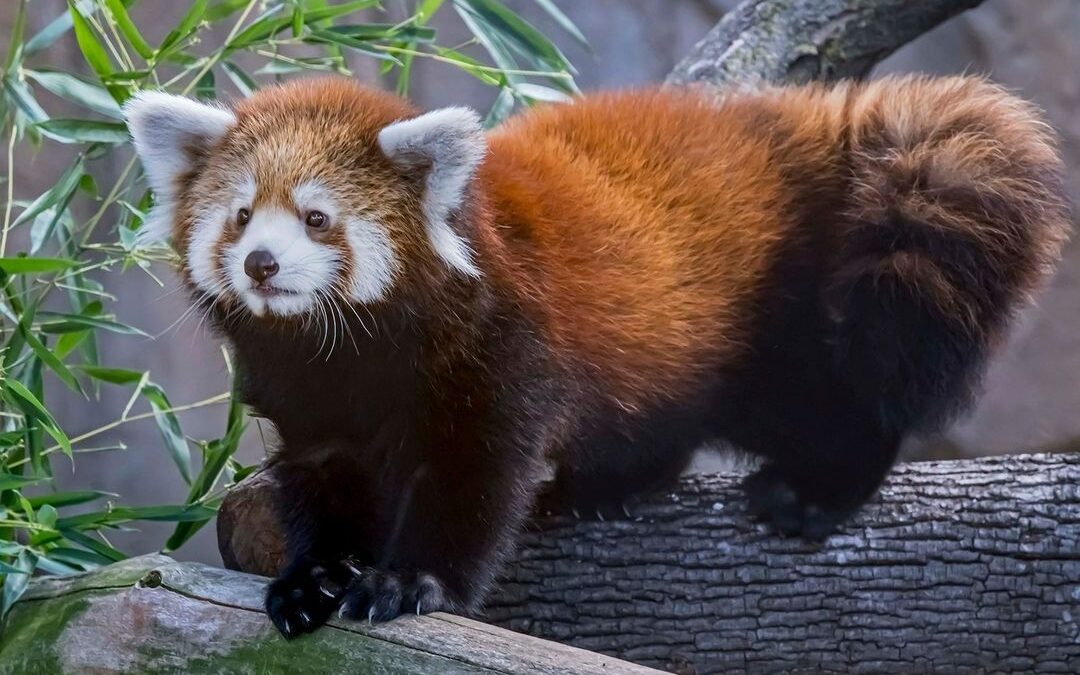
(154, 615)
(964, 566)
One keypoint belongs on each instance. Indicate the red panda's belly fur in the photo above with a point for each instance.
(644, 225)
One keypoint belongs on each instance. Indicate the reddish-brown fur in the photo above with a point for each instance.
(810, 273)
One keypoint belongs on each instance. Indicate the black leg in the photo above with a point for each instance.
(327, 521)
(453, 524)
(817, 473)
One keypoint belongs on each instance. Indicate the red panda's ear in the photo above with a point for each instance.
(449, 144)
(169, 132)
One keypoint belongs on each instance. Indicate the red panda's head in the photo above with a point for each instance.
(317, 191)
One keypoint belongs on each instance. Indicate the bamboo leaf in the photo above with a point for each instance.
(19, 395)
(50, 359)
(128, 29)
(169, 426)
(28, 265)
(58, 193)
(84, 131)
(71, 88)
(89, 45)
(15, 582)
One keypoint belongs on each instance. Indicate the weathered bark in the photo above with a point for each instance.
(804, 40)
(966, 566)
(154, 615)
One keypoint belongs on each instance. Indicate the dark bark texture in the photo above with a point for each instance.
(957, 567)
(803, 40)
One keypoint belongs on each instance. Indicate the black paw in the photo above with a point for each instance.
(773, 499)
(305, 596)
(382, 595)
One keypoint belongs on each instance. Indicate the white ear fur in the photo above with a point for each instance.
(450, 143)
(165, 129)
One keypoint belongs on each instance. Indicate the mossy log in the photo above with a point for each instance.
(154, 615)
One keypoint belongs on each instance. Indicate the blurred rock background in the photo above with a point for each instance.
(1031, 398)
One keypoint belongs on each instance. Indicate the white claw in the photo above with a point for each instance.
(599, 515)
(417, 608)
(626, 510)
(575, 512)
(371, 615)
(304, 615)
(326, 592)
(352, 568)
(341, 611)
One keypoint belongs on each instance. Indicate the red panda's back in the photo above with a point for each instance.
(645, 223)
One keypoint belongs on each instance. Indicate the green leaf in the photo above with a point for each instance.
(267, 25)
(564, 21)
(10, 481)
(95, 545)
(50, 359)
(186, 26)
(59, 193)
(350, 42)
(204, 88)
(385, 31)
(28, 265)
(15, 582)
(122, 514)
(427, 9)
(501, 108)
(18, 394)
(78, 556)
(84, 131)
(169, 426)
(76, 90)
(55, 28)
(119, 376)
(69, 323)
(16, 37)
(224, 9)
(242, 80)
(70, 498)
(91, 48)
(24, 101)
(538, 92)
(128, 29)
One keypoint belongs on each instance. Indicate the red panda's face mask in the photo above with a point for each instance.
(289, 211)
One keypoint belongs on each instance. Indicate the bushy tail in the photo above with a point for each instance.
(957, 213)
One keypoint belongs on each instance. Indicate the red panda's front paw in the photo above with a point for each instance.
(382, 595)
(305, 596)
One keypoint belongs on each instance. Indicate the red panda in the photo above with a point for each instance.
(428, 313)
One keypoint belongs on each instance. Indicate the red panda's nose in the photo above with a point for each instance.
(260, 265)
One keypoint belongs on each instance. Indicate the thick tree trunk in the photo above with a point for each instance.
(966, 566)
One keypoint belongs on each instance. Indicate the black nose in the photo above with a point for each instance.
(260, 265)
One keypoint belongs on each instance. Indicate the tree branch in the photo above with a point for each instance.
(802, 40)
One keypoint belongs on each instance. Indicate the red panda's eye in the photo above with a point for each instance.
(242, 217)
(316, 220)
